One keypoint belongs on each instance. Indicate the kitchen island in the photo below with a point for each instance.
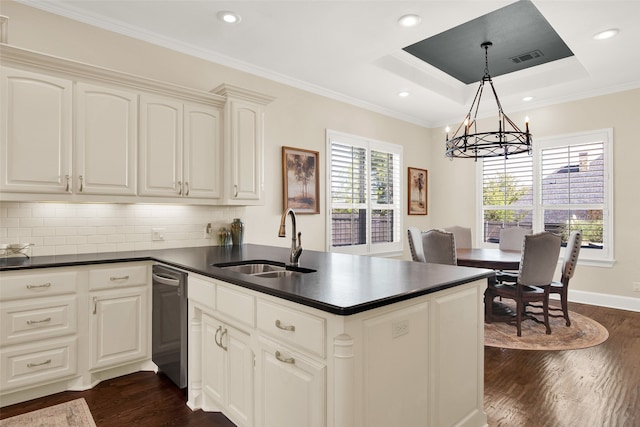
(361, 341)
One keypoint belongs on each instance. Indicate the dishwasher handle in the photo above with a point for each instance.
(165, 280)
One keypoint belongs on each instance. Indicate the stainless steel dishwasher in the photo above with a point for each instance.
(169, 326)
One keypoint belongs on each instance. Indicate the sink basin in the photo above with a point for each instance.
(254, 268)
(276, 274)
(265, 269)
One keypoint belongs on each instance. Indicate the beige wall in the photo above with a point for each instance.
(299, 119)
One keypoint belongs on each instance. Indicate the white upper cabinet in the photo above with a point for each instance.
(160, 146)
(35, 118)
(243, 145)
(106, 135)
(180, 149)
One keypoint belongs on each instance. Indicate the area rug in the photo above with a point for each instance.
(74, 413)
(583, 332)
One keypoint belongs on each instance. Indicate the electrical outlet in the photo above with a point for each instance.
(399, 328)
(636, 286)
(208, 231)
(157, 234)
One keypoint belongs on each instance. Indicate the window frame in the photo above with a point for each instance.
(596, 257)
(394, 248)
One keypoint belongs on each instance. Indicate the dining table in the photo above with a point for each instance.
(493, 259)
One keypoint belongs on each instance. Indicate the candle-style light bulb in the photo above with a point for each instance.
(466, 126)
(526, 123)
(447, 129)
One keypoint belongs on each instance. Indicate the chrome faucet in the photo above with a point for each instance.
(296, 250)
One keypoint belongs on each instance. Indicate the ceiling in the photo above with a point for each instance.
(353, 50)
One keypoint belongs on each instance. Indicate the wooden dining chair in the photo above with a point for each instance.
(439, 247)
(462, 236)
(415, 244)
(537, 266)
(571, 253)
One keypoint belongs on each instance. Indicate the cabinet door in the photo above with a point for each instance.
(35, 118)
(292, 389)
(202, 152)
(227, 370)
(245, 148)
(160, 163)
(119, 326)
(106, 132)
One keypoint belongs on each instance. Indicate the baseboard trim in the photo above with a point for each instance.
(605, 300)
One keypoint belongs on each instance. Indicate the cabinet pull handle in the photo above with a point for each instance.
(290, 328)
(224, 332)
(289, 360)
(115, 278)
(179, 188)
(33, 365)
(33, 322)
(215, 338)
(68, 187)
(81, 184)
(235, 189)
(95, 305)
(44, 285)
(186, 186)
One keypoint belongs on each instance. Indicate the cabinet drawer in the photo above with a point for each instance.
(30, 320)
(38, 363)
(236, 304)
(18, 286)
(118, 277)
(201, 292)
(292, 326)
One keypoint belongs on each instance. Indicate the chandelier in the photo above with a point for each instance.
(467, 142)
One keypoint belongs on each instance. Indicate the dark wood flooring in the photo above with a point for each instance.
(596, 387)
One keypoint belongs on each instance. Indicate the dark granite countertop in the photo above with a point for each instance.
(342, 284)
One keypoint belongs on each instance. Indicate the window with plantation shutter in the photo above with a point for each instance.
(564, 186)
(364, 187)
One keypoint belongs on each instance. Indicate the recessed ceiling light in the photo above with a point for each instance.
(228, 17)
(606, 34)
(403, 94)
(409, 20)
(527, 98)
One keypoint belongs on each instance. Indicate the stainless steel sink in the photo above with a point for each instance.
(254, 268)
(265, 269)
(276, 274)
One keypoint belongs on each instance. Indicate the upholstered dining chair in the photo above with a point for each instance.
(439, 247)
(511, 239)
(568, 268)
(415, 244)
(462, 235)
(538, 263)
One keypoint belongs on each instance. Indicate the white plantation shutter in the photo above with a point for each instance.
(364, 195)
(564, 186)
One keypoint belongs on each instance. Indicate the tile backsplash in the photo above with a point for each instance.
(66, 228)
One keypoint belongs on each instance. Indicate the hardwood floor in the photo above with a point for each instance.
(596, 387)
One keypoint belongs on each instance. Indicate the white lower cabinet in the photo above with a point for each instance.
(120, 317)
(291, 389)
(118, 326)
(69, 328)
(417, 362)
(227, 369)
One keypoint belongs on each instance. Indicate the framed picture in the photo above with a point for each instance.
(300, 180)
(417, 194)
